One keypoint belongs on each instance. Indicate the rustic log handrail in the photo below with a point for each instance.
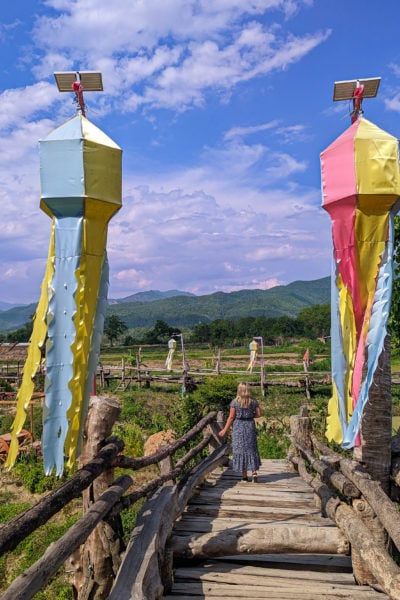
(335, 471)
(104, 508)
(329, 474)
(32, 581)
(145, 461)
(371, 490)
(14, 531)
(148, 488)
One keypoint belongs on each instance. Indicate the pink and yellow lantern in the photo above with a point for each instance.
(361, 189)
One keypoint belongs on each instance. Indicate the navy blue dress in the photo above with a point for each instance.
(244, 438)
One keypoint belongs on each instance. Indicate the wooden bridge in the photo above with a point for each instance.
(221, 539)
(314, 526)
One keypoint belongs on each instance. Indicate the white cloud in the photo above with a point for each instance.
(393, 103)
(19, 105)
(174, 52)
(283, 165)
(220, 219)
(237, 132)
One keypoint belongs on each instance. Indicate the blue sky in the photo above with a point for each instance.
(221, 107)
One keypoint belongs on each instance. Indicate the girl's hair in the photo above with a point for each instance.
(243, 395)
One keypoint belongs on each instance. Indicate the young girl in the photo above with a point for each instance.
(242, 411)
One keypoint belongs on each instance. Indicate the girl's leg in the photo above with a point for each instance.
(255, 477)
(244, 476)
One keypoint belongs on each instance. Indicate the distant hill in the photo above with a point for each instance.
(16, 317)
(186, 310)
(150, 296)
(6, 306)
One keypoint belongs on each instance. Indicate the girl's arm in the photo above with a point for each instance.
(229, 421)
(257, 412)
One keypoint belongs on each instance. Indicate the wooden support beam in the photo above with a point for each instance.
(268, 540)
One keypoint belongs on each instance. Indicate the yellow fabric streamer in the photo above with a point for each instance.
(33, 360)
(347, 323)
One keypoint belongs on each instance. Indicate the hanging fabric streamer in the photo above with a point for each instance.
(253, 347)
(361, 189)
(80, 169)
(171, 350)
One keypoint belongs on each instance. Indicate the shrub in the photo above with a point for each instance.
(29, 469)
(132, 436)
(215, 394)
(272, 439)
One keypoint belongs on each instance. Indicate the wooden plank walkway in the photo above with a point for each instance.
(281, 504)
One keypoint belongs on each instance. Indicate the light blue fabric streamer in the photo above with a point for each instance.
(338, 358)
(375, 336)
(61, 335)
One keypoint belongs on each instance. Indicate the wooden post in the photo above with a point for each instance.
(97, 561)
(139, 377)
(300, 427)
(102, 381)
(307, 380)
(166, 465)
(123, 373)
(375, 453)
(376, 425)
(214, 428)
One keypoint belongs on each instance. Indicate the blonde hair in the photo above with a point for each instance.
(243, 395)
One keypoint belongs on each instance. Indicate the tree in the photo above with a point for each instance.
(22, 334)
(316, 320)
(114, 327)
(201, 333)
(160, 333)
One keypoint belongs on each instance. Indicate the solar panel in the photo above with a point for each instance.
(344, 90)
(91, 80)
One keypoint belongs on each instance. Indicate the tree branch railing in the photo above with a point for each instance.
(349, 496)
(106, 507)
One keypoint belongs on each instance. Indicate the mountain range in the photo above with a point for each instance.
(182, 309)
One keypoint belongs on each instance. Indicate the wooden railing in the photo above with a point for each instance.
(348, 495)
(93, 545)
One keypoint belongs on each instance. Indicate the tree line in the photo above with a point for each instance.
(312, 322)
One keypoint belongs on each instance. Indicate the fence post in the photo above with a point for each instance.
(375, 453)
(213, 428)
(300, 429)
(166, 465)
(96, 562)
